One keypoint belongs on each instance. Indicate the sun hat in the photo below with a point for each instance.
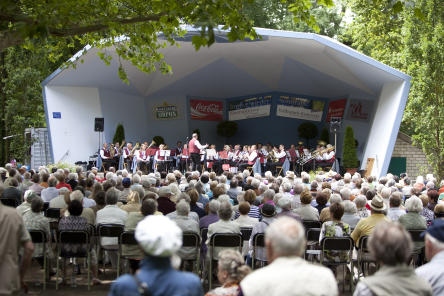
(377, 203)
(268, 210)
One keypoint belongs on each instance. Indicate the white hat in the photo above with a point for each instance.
(158, 236)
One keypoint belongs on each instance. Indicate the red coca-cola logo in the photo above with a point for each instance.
(206, 110)
(212, 108)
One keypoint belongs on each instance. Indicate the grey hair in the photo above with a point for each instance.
(298, 188)
(222, 179)
(72, 176)
(255, 183)
(184, 196)
(182, 208)
(413, 204)
(76, 195)
(385, 192)
(277, 198)
(225, 210)
(240, 196)
(284, 203)
(112, 195)
(286, 236)
(269, 193)
(335, 198)
(286, 186)
(350, 207)
(223, 197)
(214, 206)
(233, 263)
(390, 244)
(136, 179)
(139, 190)
(360, 201)
(345, 193)
(263, 187)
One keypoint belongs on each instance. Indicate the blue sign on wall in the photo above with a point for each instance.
(57, 115)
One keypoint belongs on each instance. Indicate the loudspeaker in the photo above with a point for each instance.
(98, 124)
(335, 124)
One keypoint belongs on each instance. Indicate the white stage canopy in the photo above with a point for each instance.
(282, 62)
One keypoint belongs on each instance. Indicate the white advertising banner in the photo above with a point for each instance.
(249, 108)
(300, 108)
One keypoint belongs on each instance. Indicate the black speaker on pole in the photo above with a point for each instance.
(335, 124)
(98, 124)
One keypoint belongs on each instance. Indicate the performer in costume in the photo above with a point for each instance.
(106, 157)
(177, 152)
(127, 157)
(160, 159)
(184, 158)
(143, 159)
(194, 146)
(212, 159)
(250, 157)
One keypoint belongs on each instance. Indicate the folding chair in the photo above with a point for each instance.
(192, 239)
(364, 257)
(418, 247)
(45, 206)
(10, 202)
(127, 238)
(224, 240)
(258, 241)
(52, 213)
(74, 237)
(311, 224)
(109, 230)
(312, 248)
(39, 237)
(246, 233)
(339, 244)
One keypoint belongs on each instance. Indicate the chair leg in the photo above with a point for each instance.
(57, 271)
(89, 271)
(44, 269)
(118, 264)
(210, 274)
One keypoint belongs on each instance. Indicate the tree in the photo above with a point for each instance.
(349, 158)
(424, 57)
(307, 131)
(119, 135)
(227, 129)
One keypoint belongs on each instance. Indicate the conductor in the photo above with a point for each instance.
(194, 147)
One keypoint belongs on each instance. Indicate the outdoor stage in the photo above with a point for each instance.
(267, 86)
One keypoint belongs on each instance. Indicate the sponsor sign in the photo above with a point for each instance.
(57, 115)
(300, 108)
(336, 109)
(359, 110)
(206, 110)
(253, 107)
(165, 112)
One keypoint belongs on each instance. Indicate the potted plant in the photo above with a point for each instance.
(227, 129)
(119, 135)
(349, 158)
(307, 131)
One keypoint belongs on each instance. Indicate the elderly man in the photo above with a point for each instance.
(111, 214)
(36, 184)
(159, 238)
(391, 246)
(433, 271)
(26, 205)
(212, 217)
(51, 192)
(395, 210)
(285, 244)
(165, 205)
(365, 226)
(285, 205)
(59, 202)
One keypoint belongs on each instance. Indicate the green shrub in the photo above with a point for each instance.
(349, 158)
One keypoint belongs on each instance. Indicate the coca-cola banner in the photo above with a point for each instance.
(206, 110)
(359, 110)
(336, 109)
(258, 106)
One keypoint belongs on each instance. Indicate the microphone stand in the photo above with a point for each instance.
(187, 156)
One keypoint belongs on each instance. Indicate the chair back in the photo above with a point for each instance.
(73, 237)
(10, 202)
(190, 239)
(416, 235)
(246, 233)
(53, 213)
(110, 230)
(37, 236)
(363, 244)
(227, 240)
(45, 206)
(258, 240)
(313, 234)
(204, 234)
(128, 238)
(344, 244)
(311, 224)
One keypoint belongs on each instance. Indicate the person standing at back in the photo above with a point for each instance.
(194, 147)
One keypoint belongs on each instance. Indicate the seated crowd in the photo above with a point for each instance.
(159, 208)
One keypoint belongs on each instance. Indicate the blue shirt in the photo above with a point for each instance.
(161, 278)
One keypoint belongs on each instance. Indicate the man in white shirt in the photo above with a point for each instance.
(142, 158)
(51, 192)
(111, 214)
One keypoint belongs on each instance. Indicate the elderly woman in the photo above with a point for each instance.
(306, 211)
(194, 206)
(335, 228)
(361, 202)
(433, 199)
(413, 218)
(230, 272)
(426, 212)
(133, 202)
(391, 246)
(325, 213)
(321, 201)
(350, 216)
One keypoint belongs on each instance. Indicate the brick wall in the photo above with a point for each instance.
(416, 160)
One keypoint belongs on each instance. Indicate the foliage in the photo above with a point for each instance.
(119, 135)
(227, 129)
(325, 135)
(349, 158)
(62, 165)
(307, 131)
(424, 57)
(159, 140)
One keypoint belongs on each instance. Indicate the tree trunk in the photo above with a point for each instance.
(3, 143)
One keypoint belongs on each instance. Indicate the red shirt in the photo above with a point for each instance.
(60, 185)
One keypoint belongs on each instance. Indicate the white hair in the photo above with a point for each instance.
(413, 204)
(347, 176)
(286, 187)
(182, 208)
(284, 203)
(136, 179)
(286, 236)
(350, 207)
(360, 201)
(255, 183)
(335, 198)
(263, 187)
(223, 197)
(213, 206)
(246, 173)
(277, 197)
(268, 174)
(76, 195)
(240, 196)
(430, 185)
(345, 193)
(385, 192)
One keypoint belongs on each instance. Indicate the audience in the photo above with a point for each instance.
(306, 211)
(395, 211)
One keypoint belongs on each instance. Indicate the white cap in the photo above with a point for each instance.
(158, 236)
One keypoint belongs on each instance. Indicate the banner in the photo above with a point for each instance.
(300, 108)
(253, 107)
(206, 110)
(165, 112)
(359, 110)
(336, 109)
